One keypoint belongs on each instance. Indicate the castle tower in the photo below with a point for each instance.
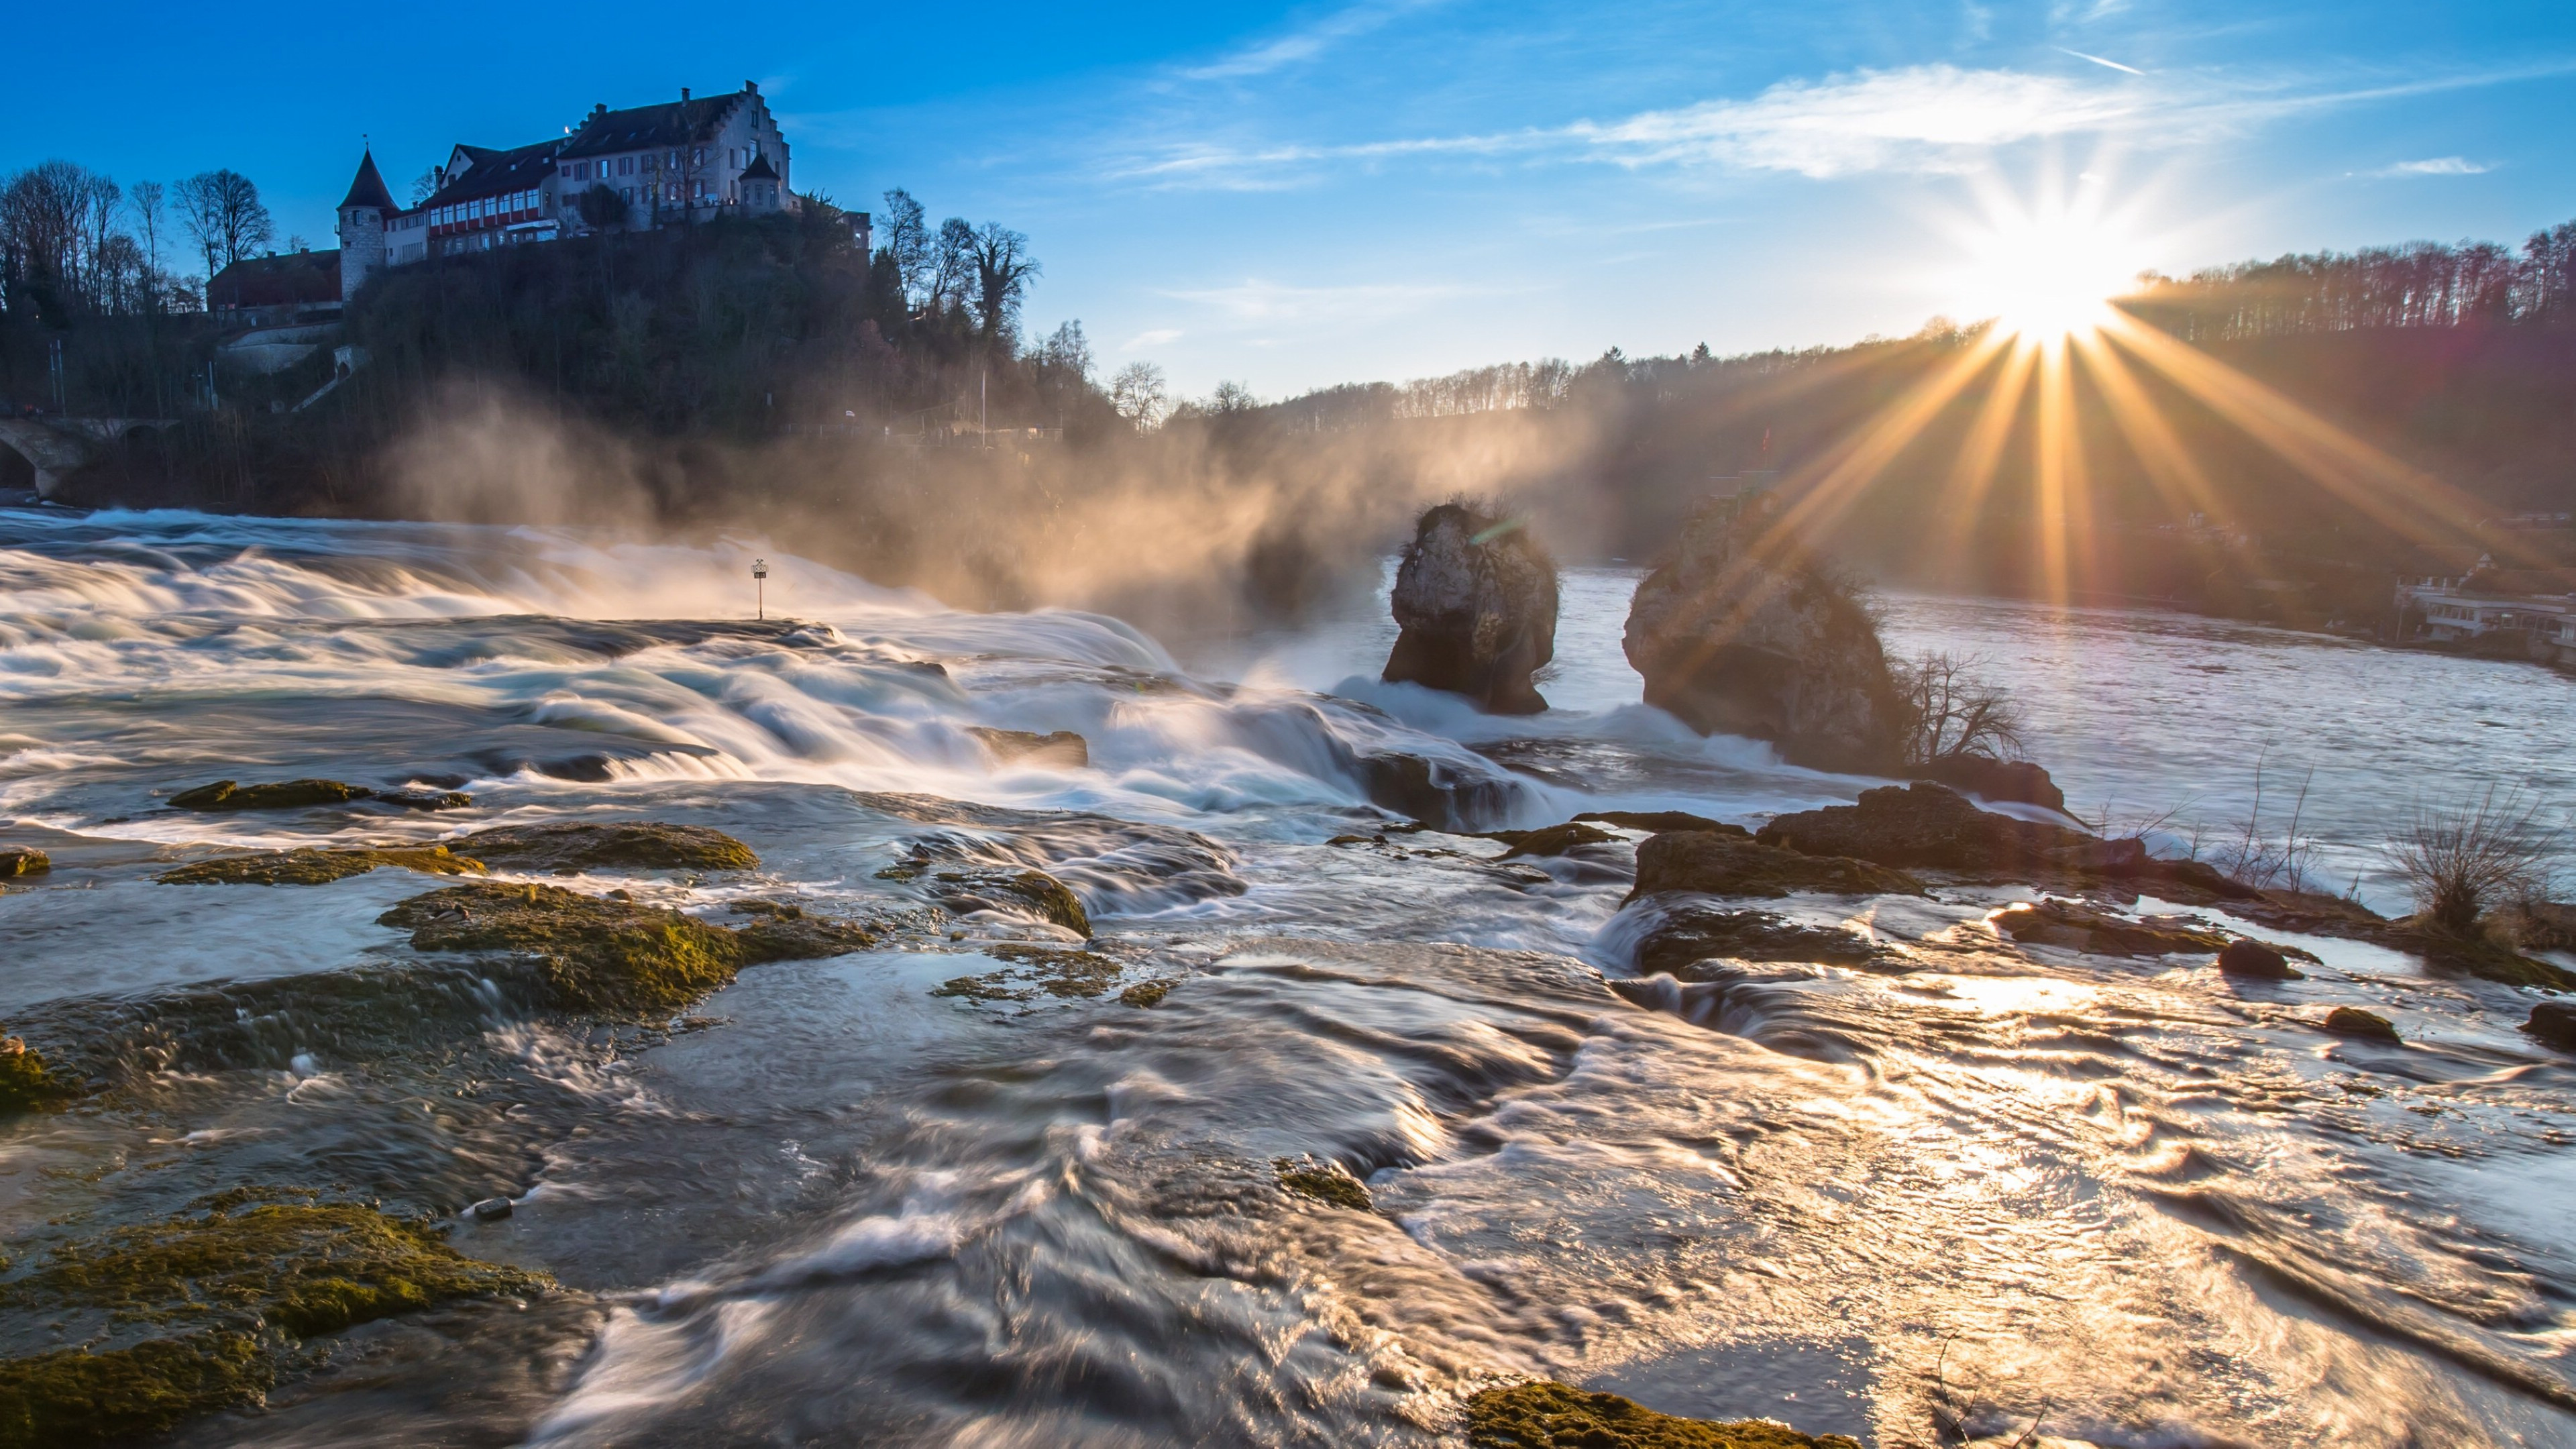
(362, 226)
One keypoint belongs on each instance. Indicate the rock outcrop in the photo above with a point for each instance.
(1691, 934)
(2250, 960)
(1709, 863)
(2554, 1022)
(1927, 826)
(2019, 781)
(2082, 928)
(1476, 598)
(567, 848)
(1743, 633)
(1555, 1416)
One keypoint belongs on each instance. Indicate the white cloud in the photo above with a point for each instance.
(1255, 301)
(1302, 45)
(2436, 166)
(1154, 337)
(1922, 118)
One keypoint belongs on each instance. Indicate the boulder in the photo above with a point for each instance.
(18, 860)
(1476, 599)
(282, 795)
(2018, 781)
(1710, 863)
(2554, 1022)
(2353, 1021)
(1928, 826)
(1659, 820)
(1553, 840)
(2252, 960)
(315, 866)
(1548, 1415)
(1689, 935)
(567, 848)
(1062, 747)
(1743, 633)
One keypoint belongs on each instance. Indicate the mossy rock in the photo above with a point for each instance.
(282, 795)
(1719, 864)
(2353, 1021)
(244, 1279)
(18, 860)
(1062, 747)
(305, 1268)
(1554, 1416)
(569, 848)
(1031, 891)
(27, 1081)
(1325, 1182)
(73, 1397)
(783, 931)
(1146, 995)
(597, 953)
(1056, 972)
(312, 866)
(2477, 955)
(1554, 840)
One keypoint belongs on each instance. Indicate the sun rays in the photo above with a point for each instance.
(2063, 386)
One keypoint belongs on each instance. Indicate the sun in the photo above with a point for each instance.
(2047, 270)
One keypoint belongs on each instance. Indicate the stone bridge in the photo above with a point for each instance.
(51, 449)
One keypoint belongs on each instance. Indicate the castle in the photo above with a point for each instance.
(681, 161)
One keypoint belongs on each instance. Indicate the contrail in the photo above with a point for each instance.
(2097, 60)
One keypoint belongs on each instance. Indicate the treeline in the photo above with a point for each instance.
(2419, 284)
(75, 244)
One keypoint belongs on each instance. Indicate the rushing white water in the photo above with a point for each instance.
(2128, 1198)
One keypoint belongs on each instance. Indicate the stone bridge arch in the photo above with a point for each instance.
(40, 455)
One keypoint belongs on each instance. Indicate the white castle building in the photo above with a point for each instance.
(681, 161)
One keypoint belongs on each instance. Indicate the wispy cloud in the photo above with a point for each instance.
(1303, 45)
(2436, 166)
(1153, 337)
(1255, 302)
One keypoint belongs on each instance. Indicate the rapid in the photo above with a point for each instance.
(2002, 1190)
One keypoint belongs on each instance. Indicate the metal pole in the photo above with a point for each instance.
(760, 587)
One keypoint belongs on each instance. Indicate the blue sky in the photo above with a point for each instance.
(1294, 196)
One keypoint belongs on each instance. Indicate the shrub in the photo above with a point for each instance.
(1951, 709)
(2463, 862)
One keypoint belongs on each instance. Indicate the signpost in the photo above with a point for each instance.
(760, 587)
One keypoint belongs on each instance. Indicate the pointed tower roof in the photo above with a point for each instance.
(368, 187)
(759, 169)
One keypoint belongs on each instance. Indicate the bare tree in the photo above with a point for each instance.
(952, 265)
(2460, 863)
(101, 199)
(1140, 394)
(221, 209)
(1231, 397)
(1067, 349)
(1003, 269)
(908, 243)
(42, 216)
(1952, 710)
(425, 185)
(150, 204)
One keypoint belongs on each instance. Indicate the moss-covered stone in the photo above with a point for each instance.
(1145, 995)
(311, 866)
(1728, 865)
(567, 848)
(26, 1081)
(1554, 1416)
(18, 860)
(305, 1268)
(2477, 954)
(1039, 969)
(242, 1281)
(1031, 891)
(2353, 1021)
(73, 1397)
(783, 931)
(1325, 1182)
(597, 954)
(282, 795)
(1554, 839)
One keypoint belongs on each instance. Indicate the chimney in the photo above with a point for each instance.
(684, 93)
(751, 87)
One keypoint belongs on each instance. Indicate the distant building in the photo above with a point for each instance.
(267, 291)
(2487, 603)
(669, 164)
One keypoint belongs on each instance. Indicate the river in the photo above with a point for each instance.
(2126, 1200)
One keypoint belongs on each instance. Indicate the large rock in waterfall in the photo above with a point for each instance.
(1476, 597)
(1742, 632)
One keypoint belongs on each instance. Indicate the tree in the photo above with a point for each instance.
(221, 209)
(601, 207)
(1951, 710)
(42, 216)
(1003, 268)
(1231, 397)
(149, 202)
(1140, 394)
(425, 185)
(1068, 349)
(952, 265)
(907, 243)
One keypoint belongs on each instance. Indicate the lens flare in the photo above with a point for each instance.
(2048, 271)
